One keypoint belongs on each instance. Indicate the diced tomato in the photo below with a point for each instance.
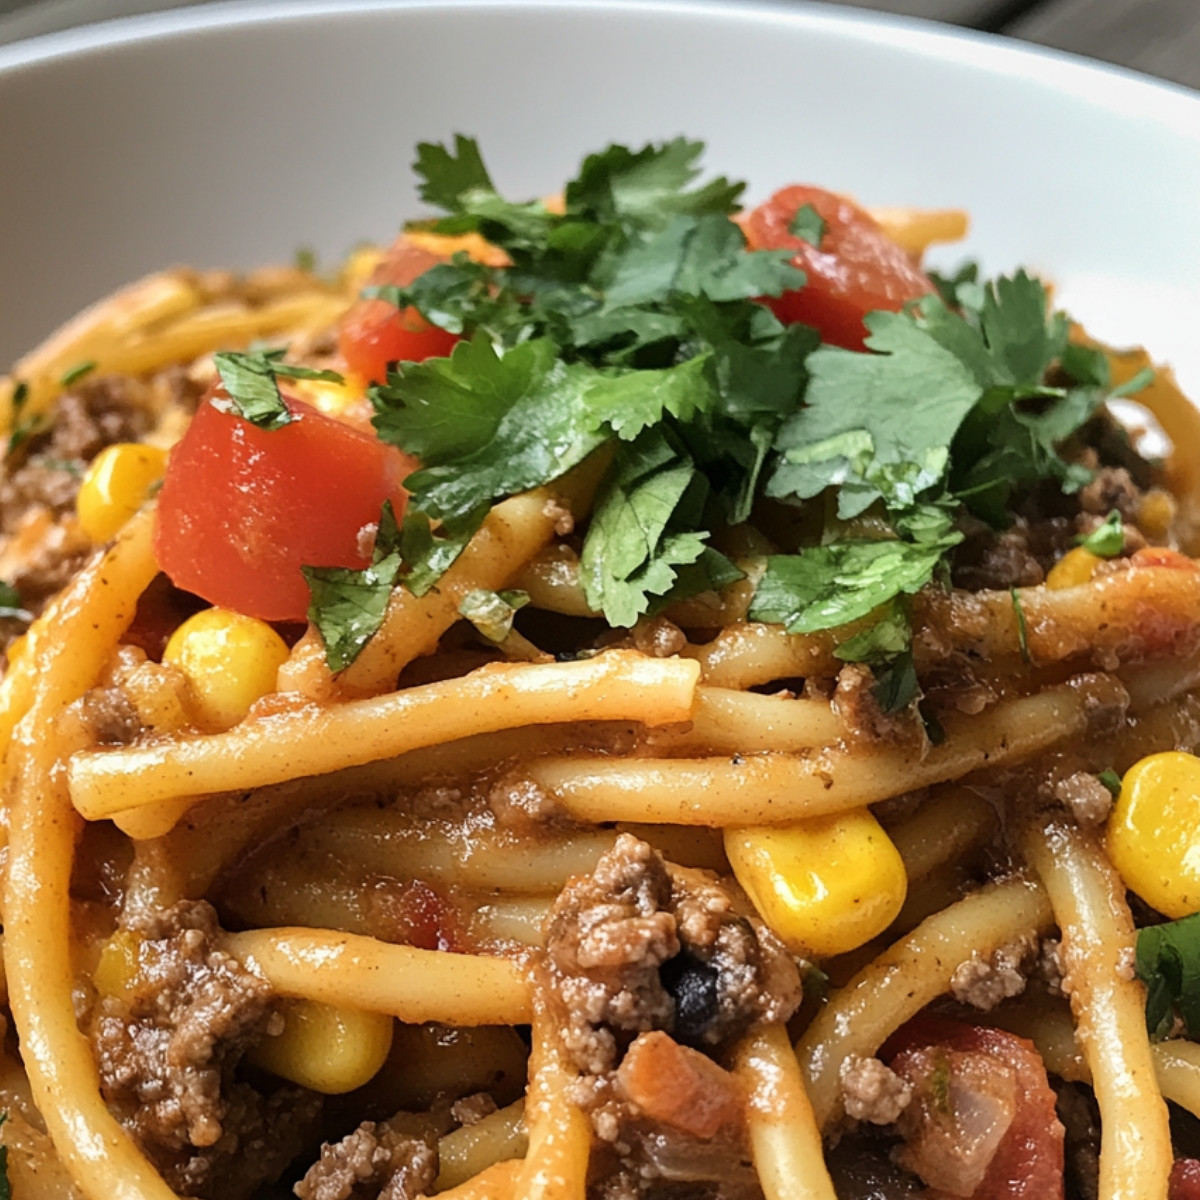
(242, 509)
(375, 332)
(1026, 1162)
(1185, 1180)
(857, 268)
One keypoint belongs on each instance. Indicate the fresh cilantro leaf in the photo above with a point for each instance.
(827, 586)
(647, 186)
(77, 372)
(1013, 443)
(630, 554)
(485, 425)
(711, 572)
(896, 685)
(1107, 540)
(250, 379)
(1023, 336)
(875, 425)
(808, 225)
(492, 612)
(447, 175)
(887, 647)
(427, 554)
(11, 607)
(1168, 963)
(889, 636)
(253, 393)
(347, 606)
(1022, 625)
(632, 402)
(305, 259)
(1112, 781)
(965, 279)
(1086, 365)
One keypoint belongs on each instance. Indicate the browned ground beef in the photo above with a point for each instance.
(375, 1162)
(167, 1049)
(639, 945)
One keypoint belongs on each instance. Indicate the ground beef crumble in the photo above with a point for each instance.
(375, 1162)
(983, 982)
(872, 1091)
(167, 1047)
(637, 946)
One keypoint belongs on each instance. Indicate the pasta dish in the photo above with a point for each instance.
(609, 696)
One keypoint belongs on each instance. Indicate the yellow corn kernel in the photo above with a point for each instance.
(1074, 568)
(1153, 834)
(825, 885)
(118, 964)
(330, 1050)
(117, 481)
(230, 661)
(1156, 514)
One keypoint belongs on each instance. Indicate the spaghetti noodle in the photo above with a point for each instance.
(681, 786)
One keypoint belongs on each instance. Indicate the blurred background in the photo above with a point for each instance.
(1159, 37)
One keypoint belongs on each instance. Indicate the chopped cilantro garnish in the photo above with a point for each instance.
(1022, 625)
(808, 225)
(1111, 780)
(492, 612)
(887, 647)
(348, 606)
(631, 319)
(1107, 540)
(305, 259)
(250, 379)
(1168, 963)
(77, 372)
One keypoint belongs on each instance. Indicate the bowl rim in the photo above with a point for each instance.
(1104, 84)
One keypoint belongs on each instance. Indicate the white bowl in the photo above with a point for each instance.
(234, 133)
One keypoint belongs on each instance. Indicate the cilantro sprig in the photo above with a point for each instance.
(251, 383)
(629, 318)
(1168, 963)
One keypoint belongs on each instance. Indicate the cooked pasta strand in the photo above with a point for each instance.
(614, 686)
(89, 617)
(497, 1182)
(1108, 1003)
(774, 788)
(560, 1136)
(360, 972)
(784, 1137)
(472, 1149)
(909, 975)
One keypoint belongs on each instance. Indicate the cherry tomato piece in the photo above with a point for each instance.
(242, 509)
(855, 270)
(375, 332)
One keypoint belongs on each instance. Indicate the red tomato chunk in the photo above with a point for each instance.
(982, 1122)
(857, 268)
(242, 508)
(375, 333)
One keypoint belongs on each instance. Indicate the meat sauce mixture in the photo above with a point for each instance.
(651, 970)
